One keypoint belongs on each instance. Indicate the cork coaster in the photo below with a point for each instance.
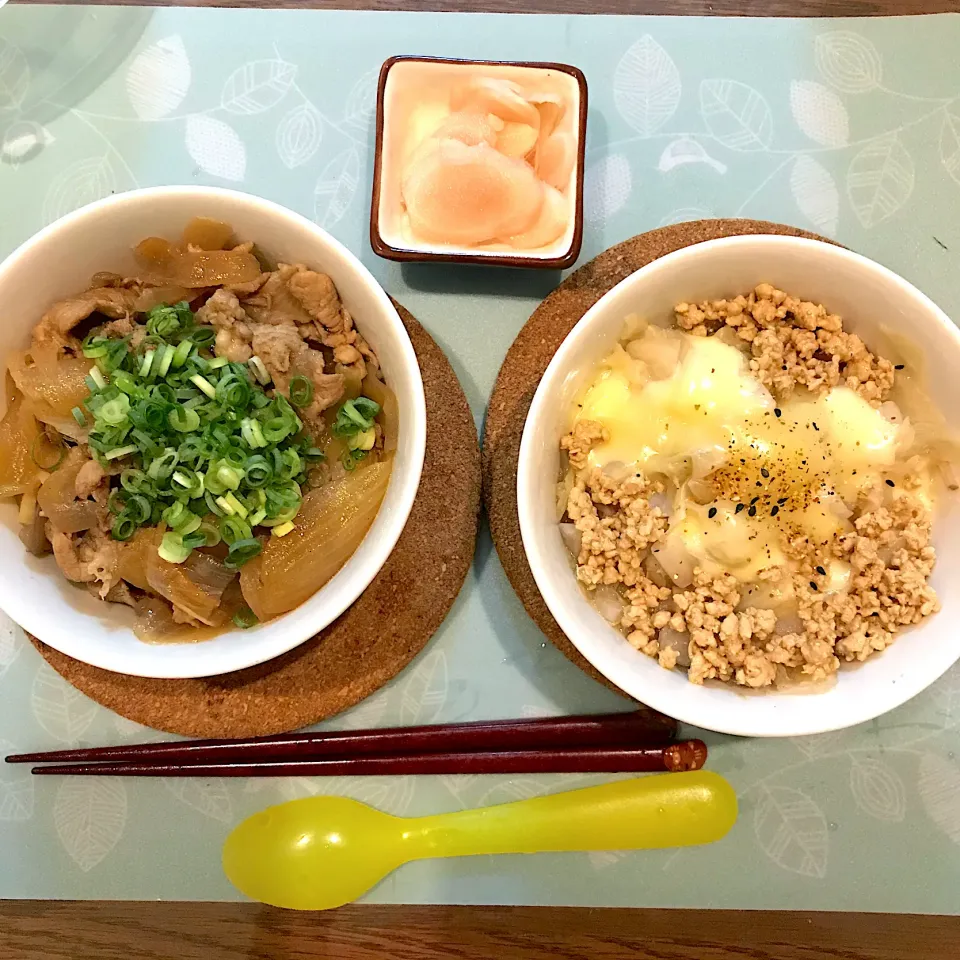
(524, 365)
(369, 644)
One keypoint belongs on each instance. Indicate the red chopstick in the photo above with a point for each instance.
(639, 728)
(686, 755)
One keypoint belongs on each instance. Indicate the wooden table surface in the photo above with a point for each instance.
(44, 930)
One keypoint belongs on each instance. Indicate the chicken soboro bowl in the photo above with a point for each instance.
(207, 442)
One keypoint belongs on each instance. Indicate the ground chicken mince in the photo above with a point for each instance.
(743, 498)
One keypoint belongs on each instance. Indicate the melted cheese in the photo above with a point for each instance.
(778, 473)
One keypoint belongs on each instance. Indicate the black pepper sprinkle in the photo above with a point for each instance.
(778, 412)
(740, 506)
(782, 501)
(821, 571)
(765, 473)
(752, 512)
(815, 427)
(898, 366)
(890, 483)
(712, 512)
(813, 586)
(774, 511)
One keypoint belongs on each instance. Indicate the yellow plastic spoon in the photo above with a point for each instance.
(323, 852)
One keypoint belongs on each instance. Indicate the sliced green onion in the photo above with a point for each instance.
(114, 411)
(139, 508)
(182, 352)
(241, 551)
(172, 548)
(203, 336)
(35, 454)
(258, 471)
(124, 527)
(202, 384)
(169, 352)
(211, 533)
(233, 530)
(147, 363)
(118, 452)
(97, 377)
(282, 529)
(183, 419)
(217, 362)
(236, 506)
(79, 417)
(259, 370)
(301, 391)
(245, 618)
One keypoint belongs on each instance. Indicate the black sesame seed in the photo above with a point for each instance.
(740, 506)
(782, 501)
(712, 512)
(774, 511)
(821, 571)
(752, 512)
(890, 483)
(813, 586)
(754, 500)
(778, 412)
(765, 473)
(898, 366)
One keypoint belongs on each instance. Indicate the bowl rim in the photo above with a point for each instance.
(393, 525)
(555, 595)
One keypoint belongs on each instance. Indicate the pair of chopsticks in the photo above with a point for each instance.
(616, 743)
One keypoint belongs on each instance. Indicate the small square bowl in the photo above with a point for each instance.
(429, 80)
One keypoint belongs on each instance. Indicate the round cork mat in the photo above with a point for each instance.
(524, 365)
(369, 644)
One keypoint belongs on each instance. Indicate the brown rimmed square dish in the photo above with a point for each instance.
(388, 243)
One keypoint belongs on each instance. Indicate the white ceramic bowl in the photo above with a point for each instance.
(868, 297)
(59, 261)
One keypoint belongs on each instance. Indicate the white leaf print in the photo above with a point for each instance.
(158, 78)
(129, 728)
(821, 744)
(90, 814)
(216, 147)
(946, 694)
(816, 194)
(606, 188)
(14, 76)
(792, 831)
(684, 151)
(532, 712)
(877, 789)
(601, 859)
(83, 182)
(939, 787)
(16, 787)
(424, 692)
(22, 141)
(362, 101)
(880, 180)
(458, 783)
(298, 135)
(335, 187)
(848, 61)
(11, 643)
(507, 791)
(63, 711)
(210, 797)
(392, 795)
(367, 714)
(257, 86)
(646, 86)
(291, 788)
(819, 113)
(950, 141)
(685, 215)
(736, 114)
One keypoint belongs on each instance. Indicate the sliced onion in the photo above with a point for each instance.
(572, 538)
(765, 595)
(701, 491)
(563, 494)
(608, 602)
(655, 572)
(890, 411)
(663, 502)
(676, 560)
(788, 622)
(706, 460)
(616, 470)
(659, 350)
(671, 639)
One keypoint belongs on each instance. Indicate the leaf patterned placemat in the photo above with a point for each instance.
(849, 128)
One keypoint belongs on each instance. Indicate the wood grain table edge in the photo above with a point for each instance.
(697, 8)
(73, 930)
